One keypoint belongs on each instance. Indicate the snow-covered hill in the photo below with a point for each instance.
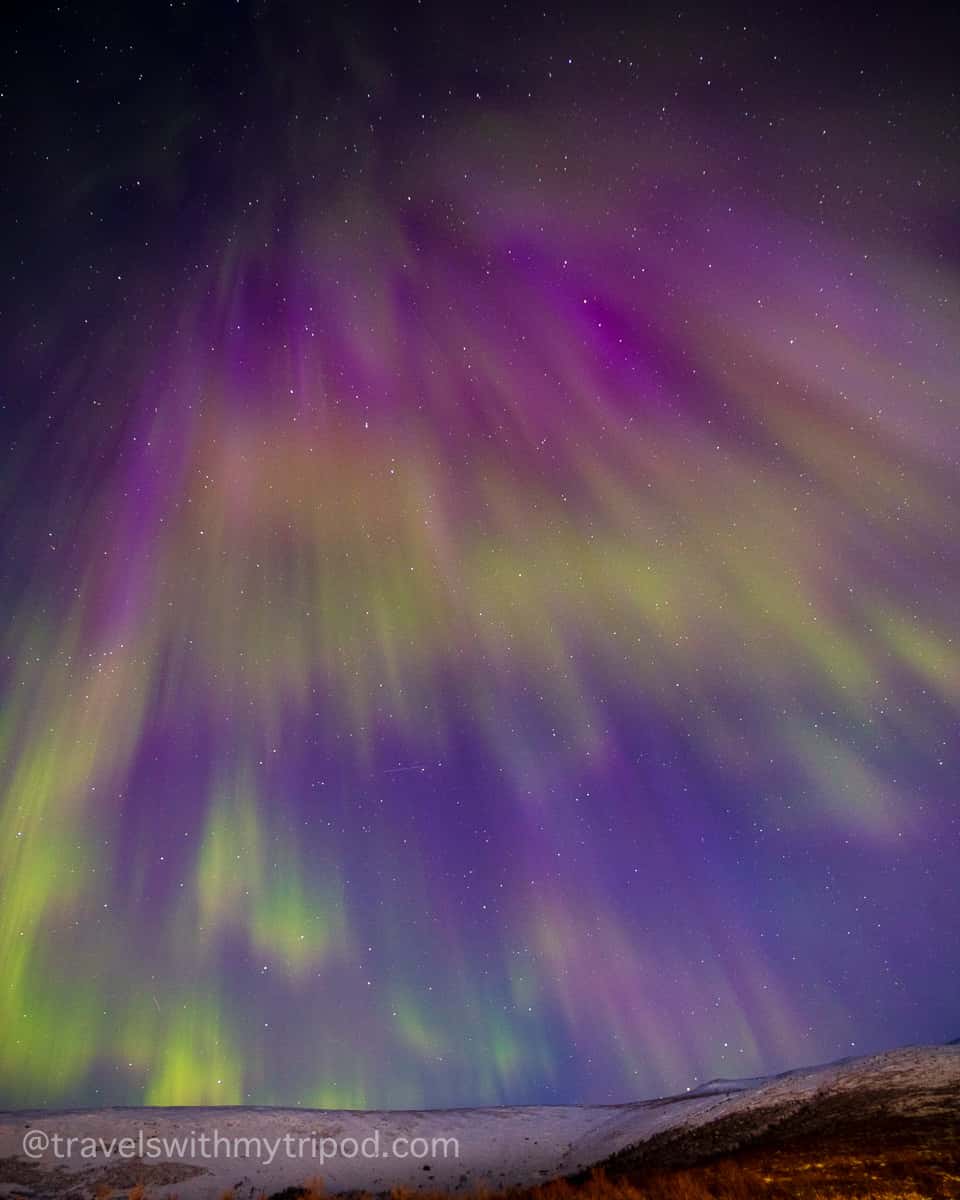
(854, 1096)
(492, 1147)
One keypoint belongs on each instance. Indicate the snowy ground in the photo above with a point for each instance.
(496, 1147)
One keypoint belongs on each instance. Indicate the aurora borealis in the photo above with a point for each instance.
(480, 554)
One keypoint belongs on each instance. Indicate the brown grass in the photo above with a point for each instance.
(783, 1175)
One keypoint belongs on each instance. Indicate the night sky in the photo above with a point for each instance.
(479, 549)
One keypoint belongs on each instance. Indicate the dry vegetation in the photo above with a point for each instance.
(847, 1170)
(844, 1172)
(791, 1174)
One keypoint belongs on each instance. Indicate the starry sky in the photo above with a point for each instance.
(478, 549)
